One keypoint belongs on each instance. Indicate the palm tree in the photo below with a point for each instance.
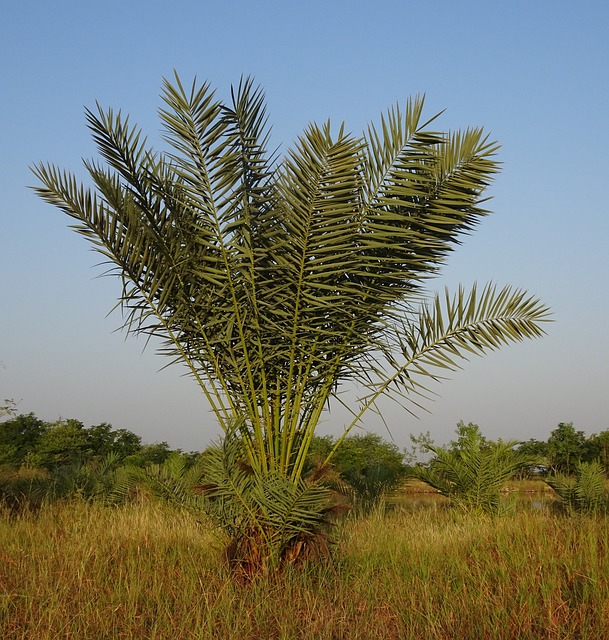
(583, 492)
(275, 280)
(474, 472)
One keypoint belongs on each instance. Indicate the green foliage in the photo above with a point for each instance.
(534, 448)
(41, 461)
(23, 489)
(155, 453)
(598, 449)
(474, 470)
(176, 480)
(62, 443)
(19, 436)
(466, 435)
(269, 521)
(29, 441)
(419, 449)
(583, 492)
(102, 440)
(373, 467)
(7, 408)
(104, 480)
(274, 281)
(566, 448)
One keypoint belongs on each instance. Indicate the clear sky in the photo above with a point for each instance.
(534, 74)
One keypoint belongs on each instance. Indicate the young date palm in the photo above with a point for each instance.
(276, 280)
(473, 473)
(583, 492)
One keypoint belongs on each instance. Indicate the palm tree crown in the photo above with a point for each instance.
(274, 280)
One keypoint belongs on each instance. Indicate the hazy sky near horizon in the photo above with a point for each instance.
(535, 75)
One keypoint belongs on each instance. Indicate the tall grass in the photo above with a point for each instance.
(143, 572)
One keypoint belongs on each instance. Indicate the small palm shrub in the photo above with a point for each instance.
(266, 521)
(585, 492)
(177, 481)
(22, 489)
(473, 474)
(106, 480)
(365, 468)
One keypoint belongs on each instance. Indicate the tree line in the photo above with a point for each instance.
(367, 462)
(27, 441)
(364, 465)
(568, 447)
(565, 449)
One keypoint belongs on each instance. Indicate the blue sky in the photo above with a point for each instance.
(534, 74)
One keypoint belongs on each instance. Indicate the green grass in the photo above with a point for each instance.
(145, 571)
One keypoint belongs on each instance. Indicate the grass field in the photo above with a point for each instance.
(146, 571)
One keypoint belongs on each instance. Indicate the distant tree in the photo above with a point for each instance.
(599, 448)
(420, 448)
(467, 433)
(19, 436)
(566, 448)
(538, 448)
(155, 453)
(102, 439)
(62, 443)
(126, 443)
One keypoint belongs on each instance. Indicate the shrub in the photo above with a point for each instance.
(473, 473)
(585, 492)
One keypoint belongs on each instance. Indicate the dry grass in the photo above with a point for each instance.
(144, 572)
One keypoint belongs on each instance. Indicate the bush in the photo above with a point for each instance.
(585, 492)
(372, 467)
(473, 472)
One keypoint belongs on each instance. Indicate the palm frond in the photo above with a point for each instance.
(423, 193)
(453, 327)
